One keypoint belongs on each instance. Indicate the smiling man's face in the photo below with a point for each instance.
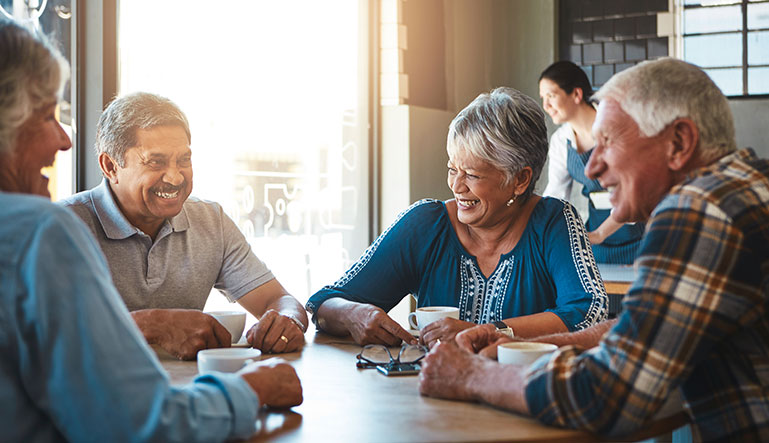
(634, 168)
(156, 178)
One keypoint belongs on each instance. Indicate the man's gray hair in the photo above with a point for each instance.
(32, 75)
(117, 126)
(655, 93)
(505, 128)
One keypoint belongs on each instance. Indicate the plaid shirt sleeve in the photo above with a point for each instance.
(689, 295)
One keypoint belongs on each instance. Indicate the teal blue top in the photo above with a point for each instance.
(551, 269)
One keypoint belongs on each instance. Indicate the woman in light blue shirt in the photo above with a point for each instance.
(497, 251)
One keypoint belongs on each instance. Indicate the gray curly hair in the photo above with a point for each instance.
(505, 128)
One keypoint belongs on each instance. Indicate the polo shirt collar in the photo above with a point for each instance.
(114, 223)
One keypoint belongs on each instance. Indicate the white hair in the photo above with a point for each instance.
(655, 93)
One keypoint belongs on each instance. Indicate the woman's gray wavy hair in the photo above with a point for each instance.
(504, 128)
(117, 126)
(32, 75)
(655, 93)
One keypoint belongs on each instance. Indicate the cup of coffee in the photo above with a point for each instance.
(234, 321)
(226, 359)
(428, 314)
(523, 352)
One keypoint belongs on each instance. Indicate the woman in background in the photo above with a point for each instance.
(565, 92)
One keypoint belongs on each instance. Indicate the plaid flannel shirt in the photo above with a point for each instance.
(695, 319)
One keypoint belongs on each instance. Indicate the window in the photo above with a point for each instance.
(729, 39)
(54, 18)
(277, 98)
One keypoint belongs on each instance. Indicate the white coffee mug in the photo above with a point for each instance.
(234, 321)
(523, 352)
(226, 359)
(428, 314)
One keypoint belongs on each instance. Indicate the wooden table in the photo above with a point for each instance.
(343, 403)
(617, 280)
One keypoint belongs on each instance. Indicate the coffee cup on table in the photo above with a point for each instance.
(425, 315)
(234, 321)
(226, 359)
(523, 352)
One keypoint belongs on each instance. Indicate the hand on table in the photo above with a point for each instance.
(482, 340)
(369, 324)
(275, 333)
(181, 332)
(447, 372)
(444, 329)
(275, 382)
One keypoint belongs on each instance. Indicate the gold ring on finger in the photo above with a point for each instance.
(283, 337)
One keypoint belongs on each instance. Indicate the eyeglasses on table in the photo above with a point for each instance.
(372, 356)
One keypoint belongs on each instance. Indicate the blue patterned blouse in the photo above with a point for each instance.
(551, 269)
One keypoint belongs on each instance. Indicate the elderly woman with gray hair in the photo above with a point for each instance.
(497, 251)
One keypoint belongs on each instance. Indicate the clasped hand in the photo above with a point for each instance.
(448, 370)
(275, 333)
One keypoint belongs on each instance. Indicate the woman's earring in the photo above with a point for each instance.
(512, 200)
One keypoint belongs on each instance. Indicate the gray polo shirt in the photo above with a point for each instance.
(198, 249)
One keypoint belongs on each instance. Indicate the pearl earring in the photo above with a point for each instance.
(512, 200)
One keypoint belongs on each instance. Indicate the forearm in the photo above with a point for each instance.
(333, 316)
(500, 385)
(534, 325)
(586, 338)
(289, 306)
(149, 322)
(607, 228)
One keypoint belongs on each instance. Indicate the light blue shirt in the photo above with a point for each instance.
(74, 366)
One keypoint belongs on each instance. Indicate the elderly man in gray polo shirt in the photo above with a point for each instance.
(166, 251)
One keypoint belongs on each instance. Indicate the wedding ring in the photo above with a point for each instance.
(283, 337)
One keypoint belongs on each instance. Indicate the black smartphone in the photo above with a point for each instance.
(399, 369)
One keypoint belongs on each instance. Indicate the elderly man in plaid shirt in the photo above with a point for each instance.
(695, 319)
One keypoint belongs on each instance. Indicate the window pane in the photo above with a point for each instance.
(758, 16)
(714, 50)
(710, 2)
(54, 19)
(758, 81)
(277, 103)
(702, 20)
(758, 48)
(729, 80)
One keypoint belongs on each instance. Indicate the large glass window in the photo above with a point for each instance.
(729, 39)
(54, 18)
(277, 98)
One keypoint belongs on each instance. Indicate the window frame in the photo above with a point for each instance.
(743, 32)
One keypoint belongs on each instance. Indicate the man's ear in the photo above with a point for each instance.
(684, 143)
(108, 167)
(522, 180)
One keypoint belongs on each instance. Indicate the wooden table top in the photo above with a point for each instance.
(343, 403)
(616, 278)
